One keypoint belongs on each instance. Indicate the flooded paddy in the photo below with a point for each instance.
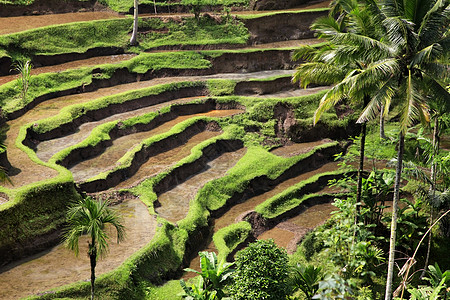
(21, 23)
(91, 167)
(46, 149)
(232, 214)
(175, 202)
(76, 64)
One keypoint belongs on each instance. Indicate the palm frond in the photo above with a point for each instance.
(329, 100)
(326, 27)
(382, 96)
(319, 73)
(413, 108)
(427, 55)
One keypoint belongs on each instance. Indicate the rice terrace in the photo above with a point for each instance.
(225, 149)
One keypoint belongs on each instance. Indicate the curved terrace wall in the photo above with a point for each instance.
(221, 62)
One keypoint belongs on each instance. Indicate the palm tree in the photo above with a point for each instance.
(89, 216)
(413, 51)
(133, 40)
(342, 62)
(403, 63)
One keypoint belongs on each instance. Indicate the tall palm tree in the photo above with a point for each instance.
(90, 217)
(413, 54)
(343, 61)
(404, 63)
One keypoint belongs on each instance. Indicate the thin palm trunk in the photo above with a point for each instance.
(360, 170)
(432, 186)
(398, 173)
(133, 40)
(93, 258)
(361, 162)
(382, 134)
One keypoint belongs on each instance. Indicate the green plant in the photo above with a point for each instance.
(306, 279)
(334, 287)
(355, 255)
(197, 5)
(23, 82)
(261, 272)
(88, 216)
(213, 277)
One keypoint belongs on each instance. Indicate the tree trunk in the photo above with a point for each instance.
(360, 169)
(382, 135)
(133, 40)
(361, 163)
(93, 259)
(432, 186)
(398, 174)
(154, 5)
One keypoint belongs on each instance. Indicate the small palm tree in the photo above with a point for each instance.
(89, 216)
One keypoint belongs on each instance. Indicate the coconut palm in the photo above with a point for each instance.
(90, 217)
(341, 63)
(404, 63)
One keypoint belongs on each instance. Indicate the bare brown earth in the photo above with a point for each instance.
(21, 23)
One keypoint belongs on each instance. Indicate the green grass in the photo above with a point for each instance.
(46, 83)
(169, 290)
(56, 39)
(291, 197)
(230, 237)
(191, 32)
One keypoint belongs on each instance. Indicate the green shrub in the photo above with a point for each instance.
(261, 272)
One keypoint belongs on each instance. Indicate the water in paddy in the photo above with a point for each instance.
(293, 229)
(26, 171)
(21, 23)
(59, 266)
(106, 160)
(175, 202)
(93, 61)
(234, 212)
(46, 149)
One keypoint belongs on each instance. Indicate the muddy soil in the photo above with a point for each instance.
(289, 233)
(49, 7)
(91, 167)
(175, 202)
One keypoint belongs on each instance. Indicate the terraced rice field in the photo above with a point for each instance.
(161, 154)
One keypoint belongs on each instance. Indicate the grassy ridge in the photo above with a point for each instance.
(228, 238)
(293, 196)
(69, 113)
(46, 83)
(55, 39)
(188, 31)
(273, 13)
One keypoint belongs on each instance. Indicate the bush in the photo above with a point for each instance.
(261, 272)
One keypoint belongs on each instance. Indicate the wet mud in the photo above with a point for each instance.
(175, 202)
